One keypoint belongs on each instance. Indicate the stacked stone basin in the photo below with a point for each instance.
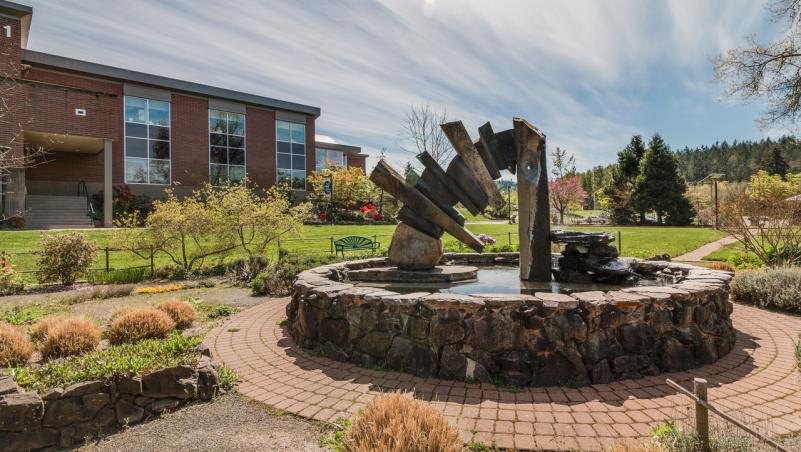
(538, 339)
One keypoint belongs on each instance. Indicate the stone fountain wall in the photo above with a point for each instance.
(541, 339)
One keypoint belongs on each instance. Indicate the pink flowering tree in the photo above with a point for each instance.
(566, 192)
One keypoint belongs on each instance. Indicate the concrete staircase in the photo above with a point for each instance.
(56, 212)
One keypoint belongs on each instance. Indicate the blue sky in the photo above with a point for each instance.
(588, 73)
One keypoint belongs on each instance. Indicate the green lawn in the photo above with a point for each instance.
(636, 241)
(723, 253)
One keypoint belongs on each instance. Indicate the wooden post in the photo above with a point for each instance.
(152, 262)
(701, 413)
(509, 234)
(332, 245)
(534, 224)
(107, 263)
(620, 243)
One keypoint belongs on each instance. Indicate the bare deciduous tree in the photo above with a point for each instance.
(421, 126)
(770, 71)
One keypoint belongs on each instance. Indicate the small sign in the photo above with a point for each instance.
(327, 186)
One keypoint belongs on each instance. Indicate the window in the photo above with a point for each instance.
(226, 147)
(327, 158)
(147, 141)
(291, 153)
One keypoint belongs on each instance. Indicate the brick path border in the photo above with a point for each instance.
(757, 381)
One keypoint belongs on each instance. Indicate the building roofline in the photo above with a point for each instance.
(21, 12)
(338, 147)
(15, 9)
(86, 67)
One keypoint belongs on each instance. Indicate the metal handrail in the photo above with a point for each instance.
(84, 191)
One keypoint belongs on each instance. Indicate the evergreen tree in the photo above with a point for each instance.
(659, 187)
(774, 163)
(619, 191)
(410, 173)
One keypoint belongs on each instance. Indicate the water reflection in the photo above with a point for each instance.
(504, 279)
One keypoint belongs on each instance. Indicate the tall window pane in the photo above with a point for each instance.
(291, 154)
(226, 147)
(147, 141)
(327, 158)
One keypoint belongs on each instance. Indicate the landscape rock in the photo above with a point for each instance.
(411, 249)
(37, 439)
(8, 386)
(20, 411)
(178, 382)
(128, 413)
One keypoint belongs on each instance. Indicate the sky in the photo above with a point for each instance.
(589, 74)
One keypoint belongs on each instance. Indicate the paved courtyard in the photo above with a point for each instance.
(757, 381)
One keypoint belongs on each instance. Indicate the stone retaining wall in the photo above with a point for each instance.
(66, 416)
(541, 339)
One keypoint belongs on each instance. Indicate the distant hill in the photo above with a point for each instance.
(738, 160)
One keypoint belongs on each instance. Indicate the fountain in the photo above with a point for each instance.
(581, 316)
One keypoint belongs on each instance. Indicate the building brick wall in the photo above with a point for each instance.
(190, 140)
(260, 146)
(311, 150)
(10, 132)
(357, 161)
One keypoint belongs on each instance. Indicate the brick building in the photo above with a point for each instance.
(101, 126)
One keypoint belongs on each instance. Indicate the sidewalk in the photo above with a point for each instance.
(698, 254)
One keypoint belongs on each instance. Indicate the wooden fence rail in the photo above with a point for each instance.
(702, 409)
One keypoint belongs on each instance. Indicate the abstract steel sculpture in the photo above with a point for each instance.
(429, 206)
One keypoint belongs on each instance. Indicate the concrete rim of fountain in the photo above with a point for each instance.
(585, 337)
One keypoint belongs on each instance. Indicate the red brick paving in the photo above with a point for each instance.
(757, 382)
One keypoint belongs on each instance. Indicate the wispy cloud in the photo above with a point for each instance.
(588, 73)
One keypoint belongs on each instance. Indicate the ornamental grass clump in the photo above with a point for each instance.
(15, 347)
(394, 423)
(778, 289)
(41, 328)
(181, 312)
(70, 337)
(133, 326)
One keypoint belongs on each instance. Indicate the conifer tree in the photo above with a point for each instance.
(659, 187)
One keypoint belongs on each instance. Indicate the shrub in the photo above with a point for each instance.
(10, 280)
(277, 279)
(220, 310)
(65, 257)
(397, 423)
(101, 292)
(134, 326)
(181, 312)
(111, 362)
(160, 289)
(69, 337)
(779, 288)
(15, 347)
(121, 276)
(721, 266)
(245, 269)
(744, 261)
(670, 437)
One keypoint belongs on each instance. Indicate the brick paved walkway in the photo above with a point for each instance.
(757, 381)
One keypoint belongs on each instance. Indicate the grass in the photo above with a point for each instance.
(637, 241)
(111, 362)
(722, 254)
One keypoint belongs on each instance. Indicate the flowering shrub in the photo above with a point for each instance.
(65, 257)
(486, 240)
(370, 211)
(160, 289)
(10, 280)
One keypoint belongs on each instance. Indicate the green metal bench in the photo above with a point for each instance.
(355, 243)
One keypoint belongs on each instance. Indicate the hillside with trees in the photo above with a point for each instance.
(739, 160)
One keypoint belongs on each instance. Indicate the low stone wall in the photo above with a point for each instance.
(541, 339)
(66, 416)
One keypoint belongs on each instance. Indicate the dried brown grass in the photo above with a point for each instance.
(41, 328)
(394, 423)
(70, 337)
(725, 266)
(133, 326)
(181, 312)
(15, 347)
